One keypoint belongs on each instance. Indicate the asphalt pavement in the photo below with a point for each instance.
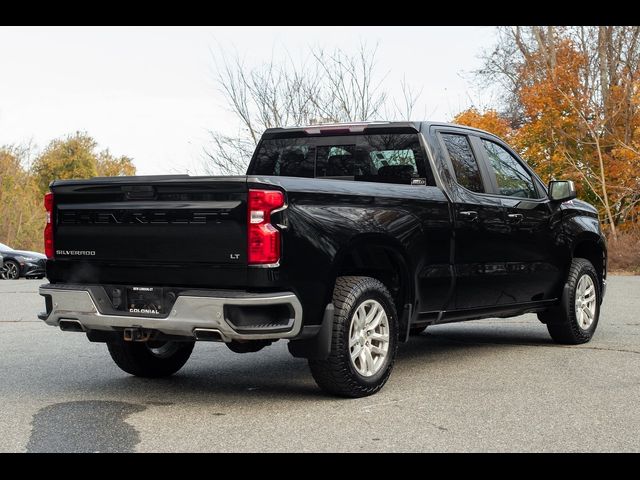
(488, 385)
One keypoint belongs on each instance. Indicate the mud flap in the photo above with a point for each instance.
(559, 311)
(405, 322)
(319, 346)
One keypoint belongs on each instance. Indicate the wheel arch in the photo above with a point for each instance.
(592, 247)
(382, 257)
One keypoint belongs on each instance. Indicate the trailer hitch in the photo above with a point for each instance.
(136, 334)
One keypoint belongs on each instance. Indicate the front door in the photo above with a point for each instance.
(533, 254)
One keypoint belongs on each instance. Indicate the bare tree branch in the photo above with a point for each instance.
(325, 87)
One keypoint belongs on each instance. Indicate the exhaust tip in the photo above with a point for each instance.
(71, 326)
(208, 335)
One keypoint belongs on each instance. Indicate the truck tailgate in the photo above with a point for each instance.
(151, 220)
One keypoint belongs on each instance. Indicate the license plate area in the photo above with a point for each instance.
(147, 301)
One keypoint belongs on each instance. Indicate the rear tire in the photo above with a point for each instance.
(364, 339)
(142, 360)
(576, 319)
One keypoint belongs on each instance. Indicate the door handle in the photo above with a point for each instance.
(515, 217)
(469, 214)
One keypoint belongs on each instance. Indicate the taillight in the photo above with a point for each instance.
(48, 228)
(263, 238)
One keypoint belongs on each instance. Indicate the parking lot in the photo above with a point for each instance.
(490, 385)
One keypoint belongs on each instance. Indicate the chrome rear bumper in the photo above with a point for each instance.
(76, 303)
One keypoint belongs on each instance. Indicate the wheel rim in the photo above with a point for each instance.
(585, 304)
(369, 338)
(163, 349)
(10, 271)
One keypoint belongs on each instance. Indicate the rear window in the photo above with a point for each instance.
(386, 158)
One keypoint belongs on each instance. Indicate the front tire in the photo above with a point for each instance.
(576, 319)
(150, 359)
(364, 340)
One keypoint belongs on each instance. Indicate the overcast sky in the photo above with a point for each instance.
(148, 92)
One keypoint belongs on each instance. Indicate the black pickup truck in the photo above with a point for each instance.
(341, 239)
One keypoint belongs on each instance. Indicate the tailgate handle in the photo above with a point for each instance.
(141, 192)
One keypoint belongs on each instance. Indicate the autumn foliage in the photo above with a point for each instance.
(490, 121)
(23, 182)
(572, 110)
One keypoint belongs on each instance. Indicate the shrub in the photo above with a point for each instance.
(624, 254)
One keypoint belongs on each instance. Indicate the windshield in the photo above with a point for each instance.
(5, 247)
(387, 158)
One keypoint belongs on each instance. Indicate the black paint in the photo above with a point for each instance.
(457, 254)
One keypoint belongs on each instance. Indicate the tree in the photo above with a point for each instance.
(327, 86)
(75, 156)
(70, 157)
(22, 184)
(21, 208)
(110, 166)
(490, 121)
(571, 96)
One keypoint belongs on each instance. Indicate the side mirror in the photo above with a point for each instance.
(561, 190)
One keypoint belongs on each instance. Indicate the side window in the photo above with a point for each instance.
(512, 178)
(464, 163)
(393, 158)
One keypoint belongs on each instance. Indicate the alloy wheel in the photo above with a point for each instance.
(369, 338)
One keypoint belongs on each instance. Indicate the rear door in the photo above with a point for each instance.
(480, 230)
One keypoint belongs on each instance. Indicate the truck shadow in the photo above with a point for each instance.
(520, 334)
(438, 344)
(273, 374)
